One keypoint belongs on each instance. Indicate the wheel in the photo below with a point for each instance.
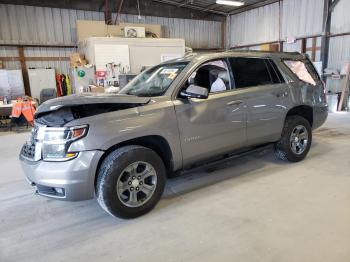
(130, 181)
(295, 141)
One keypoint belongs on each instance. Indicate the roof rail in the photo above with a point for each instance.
(265, 52)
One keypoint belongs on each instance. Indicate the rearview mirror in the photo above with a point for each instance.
(194, 91)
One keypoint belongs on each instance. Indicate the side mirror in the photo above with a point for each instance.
(194, 91)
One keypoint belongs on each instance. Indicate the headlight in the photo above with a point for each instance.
(56, 141)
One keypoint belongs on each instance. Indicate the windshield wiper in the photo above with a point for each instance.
(146, 95)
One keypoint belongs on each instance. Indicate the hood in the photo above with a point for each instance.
(88, 99)
(59, 111)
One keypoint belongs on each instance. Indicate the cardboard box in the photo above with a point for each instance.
(86, 28)
(97, 89)
(77, 59)
(270, 47)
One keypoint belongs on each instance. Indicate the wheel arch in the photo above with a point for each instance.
(304, 111)
(155, 142)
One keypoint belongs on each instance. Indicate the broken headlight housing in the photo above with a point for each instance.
(55, 141)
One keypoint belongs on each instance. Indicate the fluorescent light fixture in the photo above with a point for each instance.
(228, 2)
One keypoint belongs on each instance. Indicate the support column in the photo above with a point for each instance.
(22, 60)
(223, 33)
(326, 28)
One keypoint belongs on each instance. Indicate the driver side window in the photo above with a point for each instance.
(213, 75)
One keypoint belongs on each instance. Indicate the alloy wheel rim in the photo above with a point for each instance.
(136, 184)
(299, 139)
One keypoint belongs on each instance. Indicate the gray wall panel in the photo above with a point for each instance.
(299, 18)
(41, 25)
(339, 49)
(302, 17)
(255, 26)
(339, 52)
(340, 22)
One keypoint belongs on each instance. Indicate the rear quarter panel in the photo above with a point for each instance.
(302, 93)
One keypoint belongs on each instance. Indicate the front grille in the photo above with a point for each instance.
(34, 133)
(28, 151)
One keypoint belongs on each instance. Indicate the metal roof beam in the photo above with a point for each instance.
(252, 6)
(189, 6)
(333, 5)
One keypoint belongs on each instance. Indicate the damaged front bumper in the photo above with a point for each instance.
(71, 180)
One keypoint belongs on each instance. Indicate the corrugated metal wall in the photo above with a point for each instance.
(40, 25)
(341, 19)
(33, 25)
(299, 18)
(197, 33)
(60, 66)
(339, 47)
(255, 26)
(339, 52)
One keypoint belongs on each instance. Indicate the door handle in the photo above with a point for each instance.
(281, 94)
(235, 103)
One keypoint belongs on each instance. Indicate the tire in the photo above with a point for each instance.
(129, 173)
(285, 148)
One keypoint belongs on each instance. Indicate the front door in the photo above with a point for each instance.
(212, 126)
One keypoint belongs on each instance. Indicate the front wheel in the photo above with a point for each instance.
(130, 181)
(295, 141)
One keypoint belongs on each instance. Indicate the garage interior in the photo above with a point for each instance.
(250, 207)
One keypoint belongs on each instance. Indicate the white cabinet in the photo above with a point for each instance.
(140, 52)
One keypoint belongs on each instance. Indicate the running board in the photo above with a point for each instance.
(212, 164)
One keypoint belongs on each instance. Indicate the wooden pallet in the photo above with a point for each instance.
(345, 87)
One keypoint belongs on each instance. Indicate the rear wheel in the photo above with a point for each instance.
(130, 181)
(295, 141)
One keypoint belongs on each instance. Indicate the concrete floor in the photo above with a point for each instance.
(254, 209)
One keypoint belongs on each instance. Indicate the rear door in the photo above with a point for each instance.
(265, 94)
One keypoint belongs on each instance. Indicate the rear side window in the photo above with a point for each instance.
(276, 71)
(249, 72)
(300, 70)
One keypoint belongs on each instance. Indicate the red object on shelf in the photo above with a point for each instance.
(59, 85)
(100, 73)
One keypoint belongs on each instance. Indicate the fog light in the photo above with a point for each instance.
(59, 191)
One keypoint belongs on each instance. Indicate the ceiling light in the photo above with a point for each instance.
(228, 2)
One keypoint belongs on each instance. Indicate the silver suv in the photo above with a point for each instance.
(173, 116)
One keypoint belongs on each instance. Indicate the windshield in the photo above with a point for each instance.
(154, 81)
